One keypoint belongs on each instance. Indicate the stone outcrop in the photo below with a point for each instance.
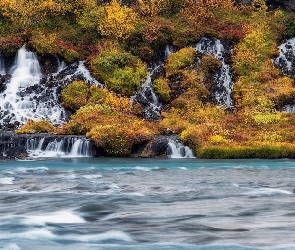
(273, 4)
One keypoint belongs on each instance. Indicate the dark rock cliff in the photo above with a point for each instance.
(273, 4)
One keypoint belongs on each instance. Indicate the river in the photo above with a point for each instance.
(113, 203)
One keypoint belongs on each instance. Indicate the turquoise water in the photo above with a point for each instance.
(113, 203)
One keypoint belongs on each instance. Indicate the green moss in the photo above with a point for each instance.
(266, 152)
(161, 87)
(210, 64)
(179, 60)
(120, 71)
(75, 95)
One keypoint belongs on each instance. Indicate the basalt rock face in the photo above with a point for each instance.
(157, 147)
(273, 4)
(284, 4)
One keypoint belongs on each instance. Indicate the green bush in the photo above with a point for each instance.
(75, 95)
(161, 88)
(263, 152)
(179, 60)
(120, 71)
(210, 64)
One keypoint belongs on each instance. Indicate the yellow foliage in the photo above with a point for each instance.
(199, 11)
(26, 13)
(217, 139)
(153, 7)
(119, 21)
(32, 127)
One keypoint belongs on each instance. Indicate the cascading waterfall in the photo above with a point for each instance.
(74, 71)
(2, 66)
(176, 149)
(146, 95)
(286, 60)
(63, 147)
(223, 77)
(286, 63)
(24, 98)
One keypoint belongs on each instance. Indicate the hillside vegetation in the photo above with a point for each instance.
(118, 40)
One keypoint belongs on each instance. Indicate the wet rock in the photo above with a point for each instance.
(16, 152)
(157, 147)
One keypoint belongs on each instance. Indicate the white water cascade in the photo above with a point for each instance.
(223, 77)
(177, 150)
(286, 60)
(24, 98)
(286, 63)
(2, 66)
(64, 147)
(146, 95)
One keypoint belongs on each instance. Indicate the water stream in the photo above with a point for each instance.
(223, 77)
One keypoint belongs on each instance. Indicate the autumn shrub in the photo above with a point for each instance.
(262, 118)
(11, 43)
(120, 71)
(87, 117)
(179, 60)
(210, 64)
(75, 95)
(153, 7)
(118, 139)
(162, 89)
(217, 139)
(44, 43)
(118, 21)
(31, 127)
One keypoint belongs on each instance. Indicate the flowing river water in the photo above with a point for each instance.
(113, 203)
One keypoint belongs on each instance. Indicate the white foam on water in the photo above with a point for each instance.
(12, 246)
(6, 181)
(145, 169)
(61, 217)
(37, 234)
(183, 168)
(268, 191)
(135, 194)
(110, 235)
(93, 176)
(25, 170)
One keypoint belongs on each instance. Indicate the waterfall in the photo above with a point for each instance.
(2, 66)
(62, 147)
(286, 63)
(286, 60)
(75, 71)
(26, 97)
(168, 51)
(223, 77)
(147, 97)
(176, 149)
